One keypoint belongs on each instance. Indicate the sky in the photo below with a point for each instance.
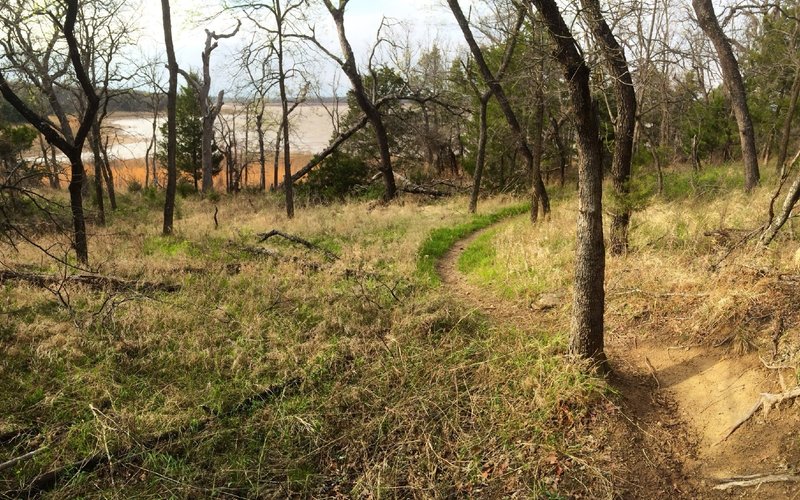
(426, 20)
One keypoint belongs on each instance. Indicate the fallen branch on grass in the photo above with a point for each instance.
(272, 254)
(300, 241)
(755, 480)
(50, 479)
(14, 461)
(767, 401)
(411, 189)
(91, 280)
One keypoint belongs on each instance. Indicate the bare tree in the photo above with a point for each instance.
(707, 20)
(538, 191)
(256, 65)
(208, 110)
(152, 75)
(347, 61)
(69, 144)
(483, 100)
(103, 36)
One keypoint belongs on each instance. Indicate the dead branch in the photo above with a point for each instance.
(94, 281)
(767, 401)
(272, 254)
(49, 480)
(14, 461)
(423, 190)
(300, 241)
(756, 480)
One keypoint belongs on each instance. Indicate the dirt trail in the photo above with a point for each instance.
(676, 403)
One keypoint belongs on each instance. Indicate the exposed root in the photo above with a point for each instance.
(755, 480)
(767, 401)
(652, 372)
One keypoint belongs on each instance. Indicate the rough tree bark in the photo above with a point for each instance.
(538, 192)
(625, 123)
(586, 332)
(172, 98)
(732, 77)
(563, 154)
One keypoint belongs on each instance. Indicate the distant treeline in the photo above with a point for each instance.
(122, 100)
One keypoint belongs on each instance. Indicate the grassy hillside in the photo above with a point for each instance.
(267, 376)
(276, 370)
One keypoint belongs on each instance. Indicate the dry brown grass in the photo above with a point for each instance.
(688, 279)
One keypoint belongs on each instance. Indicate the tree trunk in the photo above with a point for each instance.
(172, 93)
(563, 154)
(207, 152)
(288, 186)
(50, 163)
(481, 155)
(586, 332)
(350, 69)
(625, 124)
(94, 143)
(108, 175)
(707, 19)
(538, 191)
(147, 164)
(76, 205)
(537, 143)
(276, 158)
(262, 161)
(695, 159)
(786, 132)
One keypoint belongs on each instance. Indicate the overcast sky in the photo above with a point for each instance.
(427, 20)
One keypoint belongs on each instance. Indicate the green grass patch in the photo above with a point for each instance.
(441, 240)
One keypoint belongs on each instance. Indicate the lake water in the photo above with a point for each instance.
(311, 130)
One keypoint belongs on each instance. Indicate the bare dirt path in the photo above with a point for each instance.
(675, 404)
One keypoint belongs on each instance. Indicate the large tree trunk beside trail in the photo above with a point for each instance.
(586, 331)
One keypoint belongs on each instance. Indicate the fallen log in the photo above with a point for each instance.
(94, 281)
